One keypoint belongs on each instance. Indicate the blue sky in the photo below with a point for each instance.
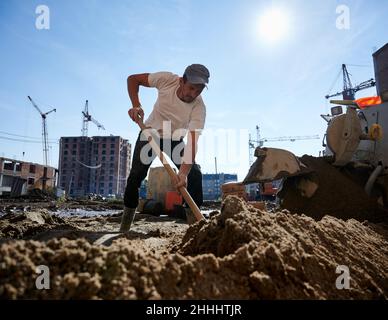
(92, 46)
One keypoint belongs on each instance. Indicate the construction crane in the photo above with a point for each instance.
(85, 120)
(259, 142)
(349, 92)
(44, 131)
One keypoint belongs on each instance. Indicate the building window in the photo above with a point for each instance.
(66, 146)
(112, 152)
(110, 186)
(63, 185)
(65, 152)
(74, 152)
(32, 168)
(112, 146)
(110, 191)
(103, 151)
(8, 165)
(66, 140)
(74, 139)
(18, 166)
(103, 145)
(112, 158)
(111, 178)
(103, 158)
(30, 181)
(63, 171)
(111, 165)
(65, 158)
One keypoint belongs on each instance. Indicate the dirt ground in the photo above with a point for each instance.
(239, 253)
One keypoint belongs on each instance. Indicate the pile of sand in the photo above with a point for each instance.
(241, 253)
(26, 224)
(340, 194)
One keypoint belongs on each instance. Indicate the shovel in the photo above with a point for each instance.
(189, 200)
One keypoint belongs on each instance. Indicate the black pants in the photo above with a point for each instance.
(139, 172)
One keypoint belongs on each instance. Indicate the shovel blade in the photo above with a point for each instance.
(274, 164)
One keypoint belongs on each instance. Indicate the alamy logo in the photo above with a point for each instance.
(42, 21)
(43, 280)
(343, 20)
(343, 280)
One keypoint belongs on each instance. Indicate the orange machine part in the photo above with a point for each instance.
(172, 198)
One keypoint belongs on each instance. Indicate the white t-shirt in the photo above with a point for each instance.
(168, 107)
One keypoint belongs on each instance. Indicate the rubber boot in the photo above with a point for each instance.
(127, 219)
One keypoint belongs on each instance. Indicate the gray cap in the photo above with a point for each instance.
(197, 74)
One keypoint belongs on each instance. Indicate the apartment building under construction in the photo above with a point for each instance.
(18, 177)
(97, 165)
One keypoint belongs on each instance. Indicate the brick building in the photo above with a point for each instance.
(94, 165)
(17, 177)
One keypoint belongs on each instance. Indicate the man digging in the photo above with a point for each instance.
(178, 110)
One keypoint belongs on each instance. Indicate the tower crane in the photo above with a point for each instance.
(349, 92)
(85, 120)
(44, 130)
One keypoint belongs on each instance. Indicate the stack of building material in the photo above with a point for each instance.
(234, 188)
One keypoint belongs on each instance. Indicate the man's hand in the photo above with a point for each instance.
(180, 180)
(134, 113)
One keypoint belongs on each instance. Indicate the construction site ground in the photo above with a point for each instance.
(238, 252)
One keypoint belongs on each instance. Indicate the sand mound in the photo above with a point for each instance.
(241, 253)
(78, 270)
(292, 251)
(24, 224)
(340, 193)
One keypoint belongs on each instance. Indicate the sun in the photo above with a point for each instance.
(273, 25)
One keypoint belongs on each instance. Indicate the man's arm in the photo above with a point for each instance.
(133, 83)
(187, 160)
